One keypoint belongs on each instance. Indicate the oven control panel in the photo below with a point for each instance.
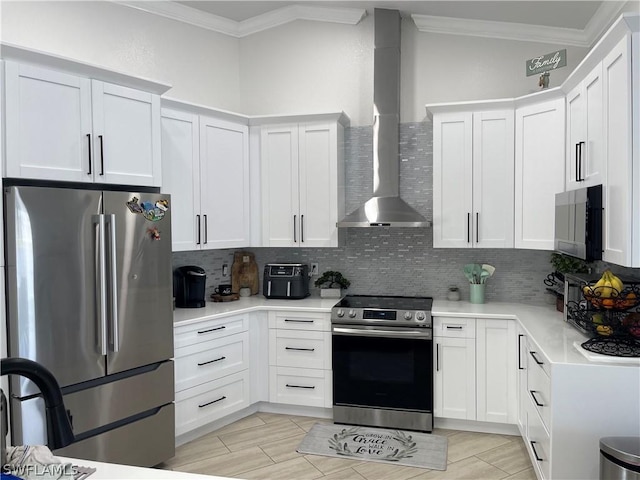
(381, 316)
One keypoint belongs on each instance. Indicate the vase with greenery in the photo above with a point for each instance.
(331, 284)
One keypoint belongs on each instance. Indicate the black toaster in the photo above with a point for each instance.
(286, 280)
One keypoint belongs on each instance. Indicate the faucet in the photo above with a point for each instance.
(59, 433)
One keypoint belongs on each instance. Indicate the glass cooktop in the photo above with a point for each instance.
(386, 302)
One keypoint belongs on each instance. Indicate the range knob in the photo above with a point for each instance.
(340, 313)
(421, 316)
(352, 313)
(408, 315)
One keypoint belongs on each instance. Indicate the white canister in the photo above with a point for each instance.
(453, 294)
(245, 292)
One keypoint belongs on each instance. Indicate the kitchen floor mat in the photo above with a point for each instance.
(399, 447)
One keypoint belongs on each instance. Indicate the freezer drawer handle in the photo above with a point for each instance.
(298, 321)
(300, 349)
(211, 361)
(212, 402)
(535, 454)
(212, 330)
(308, 387)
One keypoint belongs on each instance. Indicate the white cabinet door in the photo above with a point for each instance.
(620, 213)
(496, 371)
(493, 164)
(585, 153)
(539, 172)
(521, 365)
(455, 378)
(224, 170)
(48, 124)
(181, 179)
(318, 171)
(126, 127)
(280, 199)
(452, 179)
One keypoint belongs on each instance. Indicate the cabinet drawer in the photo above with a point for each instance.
(300, 320)
(454, 327)
(296, 348)
(206, 361)
(538, 443)
(209, 330)
(539, 391)
(300, 386)
(210, 401)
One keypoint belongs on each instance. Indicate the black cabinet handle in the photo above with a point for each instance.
(300, 349)
(206, 235)
(301, 386)
(101, 154)
(212, 330)
(535, 454)
(211, 361)
(198, 228)
(468, 227)
(520, 367)
(577, 161)
(298, 321)
(294, 228)
(301, 228)
(477, 227)
(454, 327)
(535, 400)
(437, 357)
(533, 354)
(580, 178)
(89, 144)
(209, 403)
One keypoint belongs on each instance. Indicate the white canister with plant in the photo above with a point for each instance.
(331, 284)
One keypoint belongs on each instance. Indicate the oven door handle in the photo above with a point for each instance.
(417, 333)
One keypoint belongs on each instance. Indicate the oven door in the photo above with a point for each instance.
(389, 368)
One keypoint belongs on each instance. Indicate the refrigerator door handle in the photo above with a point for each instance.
(113, 278)
(101, 264)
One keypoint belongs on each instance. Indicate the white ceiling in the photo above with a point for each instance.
(560, 22)
(567, 14)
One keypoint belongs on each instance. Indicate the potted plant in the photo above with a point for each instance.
(331, 284)
(566, 264)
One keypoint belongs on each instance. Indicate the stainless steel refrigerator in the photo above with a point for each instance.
(89, 296)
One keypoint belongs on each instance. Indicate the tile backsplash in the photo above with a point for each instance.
(400, 261)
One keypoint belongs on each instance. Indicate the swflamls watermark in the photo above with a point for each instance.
(51, 470)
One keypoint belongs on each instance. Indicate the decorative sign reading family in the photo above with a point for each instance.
(546, 63)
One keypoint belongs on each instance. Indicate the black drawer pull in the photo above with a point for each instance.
(211, 361)
(533, 354)
(298, 321)
(212, 402)
(535, 400)
(520, 367)
(301, 386)
(300, 349)
(535, 454)
(211, 330)
(454, 327)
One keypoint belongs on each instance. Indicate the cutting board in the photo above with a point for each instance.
(244, 272)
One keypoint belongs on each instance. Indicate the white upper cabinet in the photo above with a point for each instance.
(65, 127)
(302, 184)
(585, 160)
(621, 203)
(206, 165)
(473, 164)
(539, 172)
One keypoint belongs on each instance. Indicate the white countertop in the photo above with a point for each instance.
(543, 324)
(112, 471)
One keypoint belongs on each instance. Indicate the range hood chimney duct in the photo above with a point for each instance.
(386, 208)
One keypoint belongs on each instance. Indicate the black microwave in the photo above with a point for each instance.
(578, 223)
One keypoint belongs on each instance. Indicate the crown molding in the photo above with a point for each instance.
(603, 18)
(504, 30)
(259, 23)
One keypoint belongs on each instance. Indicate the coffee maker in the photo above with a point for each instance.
(189, 286)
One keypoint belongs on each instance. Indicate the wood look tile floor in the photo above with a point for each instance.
(263, 447)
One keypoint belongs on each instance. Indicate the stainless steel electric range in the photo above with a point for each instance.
(382, 349)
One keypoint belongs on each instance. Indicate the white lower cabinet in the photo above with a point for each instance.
(300, 359)
(475, 375)
(211, 371)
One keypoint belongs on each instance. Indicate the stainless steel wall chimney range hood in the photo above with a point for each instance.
(385, 208)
